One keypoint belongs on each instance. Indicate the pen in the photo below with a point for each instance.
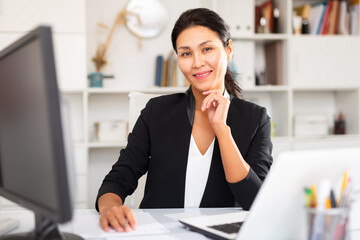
(308, 194)
(343, 185)
(344, 205)
(345, 198)
(324, 190)
(313, 198)
(332, 199)
(328, 203)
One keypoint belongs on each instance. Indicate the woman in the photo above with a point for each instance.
(202, 148)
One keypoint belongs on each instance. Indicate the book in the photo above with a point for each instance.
(358, 17)
(168, 73)
(164, 78)
(273, 63)
(159, 70)
(325, 22)
(354, 17)
(333, 18)
(267, 13)
(318, 31)
(258, 15)
(315, 17)
(343, 22)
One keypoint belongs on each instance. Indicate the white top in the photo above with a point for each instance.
(197, 173)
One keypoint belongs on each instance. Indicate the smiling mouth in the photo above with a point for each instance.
(202, 74)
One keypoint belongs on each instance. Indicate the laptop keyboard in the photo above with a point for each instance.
(228, 227)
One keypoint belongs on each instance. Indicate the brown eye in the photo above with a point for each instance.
(185, 54)
(207, 49)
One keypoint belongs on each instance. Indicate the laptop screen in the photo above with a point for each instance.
(278, 210)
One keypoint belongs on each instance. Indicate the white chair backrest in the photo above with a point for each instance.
(137, 102)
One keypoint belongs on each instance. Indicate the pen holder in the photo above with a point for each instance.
(328, 224)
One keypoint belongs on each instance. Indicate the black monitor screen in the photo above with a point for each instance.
(32, 152)
(26, 141)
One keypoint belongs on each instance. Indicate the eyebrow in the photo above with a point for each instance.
(201, 44)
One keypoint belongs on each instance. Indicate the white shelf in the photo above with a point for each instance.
(332, 137)
(151, 89)
(267, 88)
(107, 91)
(323, 37)
(72, 91)
(107, 144)
(326, 88)
(264, 37)
(329, 138)
(165, 90)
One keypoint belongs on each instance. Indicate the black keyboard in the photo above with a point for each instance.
(228, 227)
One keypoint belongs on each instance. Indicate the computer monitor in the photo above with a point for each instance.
(33, 148)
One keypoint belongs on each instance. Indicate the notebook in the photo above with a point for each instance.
(278, 210)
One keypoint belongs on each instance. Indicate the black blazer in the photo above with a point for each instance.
(159, 145)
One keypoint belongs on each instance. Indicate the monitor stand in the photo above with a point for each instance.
(45, 229)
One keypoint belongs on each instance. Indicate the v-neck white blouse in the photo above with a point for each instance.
(197, 173)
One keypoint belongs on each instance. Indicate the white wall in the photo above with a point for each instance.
(133, 68)
(67, 19)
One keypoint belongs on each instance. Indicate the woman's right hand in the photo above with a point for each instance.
(114, 214)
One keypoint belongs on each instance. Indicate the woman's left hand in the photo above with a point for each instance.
(217, 107)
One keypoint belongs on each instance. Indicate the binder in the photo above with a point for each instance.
(238, 15)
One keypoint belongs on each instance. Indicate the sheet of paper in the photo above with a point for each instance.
(88, 227)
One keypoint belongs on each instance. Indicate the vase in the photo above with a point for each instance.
(96, 79)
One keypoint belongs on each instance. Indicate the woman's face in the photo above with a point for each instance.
(202, 58)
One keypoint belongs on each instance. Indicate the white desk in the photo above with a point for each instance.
(163, 216)
(166, 217)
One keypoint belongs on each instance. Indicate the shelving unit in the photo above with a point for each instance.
(69, 40)
(319, 73)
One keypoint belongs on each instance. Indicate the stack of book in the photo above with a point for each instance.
(167, 72)
(330, 17)
(267, 17)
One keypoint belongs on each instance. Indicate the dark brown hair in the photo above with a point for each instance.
(210, 19)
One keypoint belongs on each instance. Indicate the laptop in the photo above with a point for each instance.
(278, 210)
